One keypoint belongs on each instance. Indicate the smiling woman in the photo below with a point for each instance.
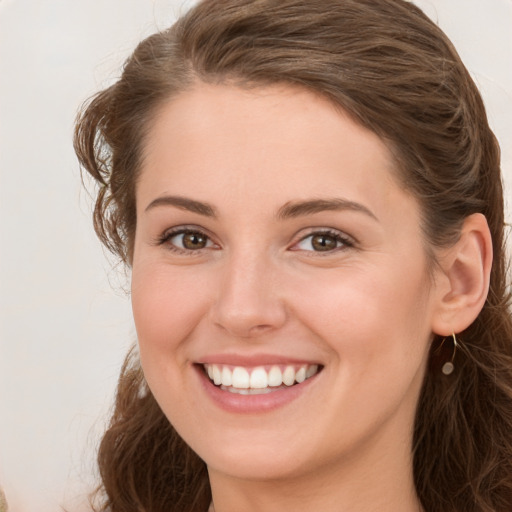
(272, 289)
(308, 196)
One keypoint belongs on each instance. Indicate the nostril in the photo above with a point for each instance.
(243, 328)
(258, 329)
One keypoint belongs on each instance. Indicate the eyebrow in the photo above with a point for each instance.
(289, 210)
(308, 207)
(183, 203)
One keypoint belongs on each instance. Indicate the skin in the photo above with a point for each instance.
(365, 310)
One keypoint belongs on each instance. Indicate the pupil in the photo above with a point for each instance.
(194, 241)
(323, 243)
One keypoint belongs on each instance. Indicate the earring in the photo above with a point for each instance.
(448, 367)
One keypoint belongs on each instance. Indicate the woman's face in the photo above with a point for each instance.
(274, 246)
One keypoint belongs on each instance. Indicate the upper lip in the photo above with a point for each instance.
(253, 360)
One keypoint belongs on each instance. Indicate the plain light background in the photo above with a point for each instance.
(65, 319)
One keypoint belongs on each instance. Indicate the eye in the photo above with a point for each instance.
(185, 240)
(323, 241)
(191, 240)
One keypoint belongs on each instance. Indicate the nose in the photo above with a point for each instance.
(249, 302)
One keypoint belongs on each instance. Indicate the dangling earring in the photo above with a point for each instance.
(448, 367)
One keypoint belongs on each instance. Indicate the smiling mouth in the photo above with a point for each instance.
(260, 379)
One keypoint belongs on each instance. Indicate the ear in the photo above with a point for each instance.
(462, 282)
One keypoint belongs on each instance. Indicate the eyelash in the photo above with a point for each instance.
(345, 241)
(165, 239)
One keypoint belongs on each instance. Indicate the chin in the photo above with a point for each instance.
(256, 465)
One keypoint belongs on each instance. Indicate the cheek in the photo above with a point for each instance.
(365, 314)
(166, 305)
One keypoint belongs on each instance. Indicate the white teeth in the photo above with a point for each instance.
(249, 391)
(311, 370)
(300, 376)
(217, 379)
(226, 376)
(259, 380)
(289, 376)
(275, 376)
(240, 378)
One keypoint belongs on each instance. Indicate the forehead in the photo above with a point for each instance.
(274, 142)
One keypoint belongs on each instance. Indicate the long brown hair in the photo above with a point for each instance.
(392, 69)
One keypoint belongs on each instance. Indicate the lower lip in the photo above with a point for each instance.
(234, 402)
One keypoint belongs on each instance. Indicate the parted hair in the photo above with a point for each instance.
(396, 73)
